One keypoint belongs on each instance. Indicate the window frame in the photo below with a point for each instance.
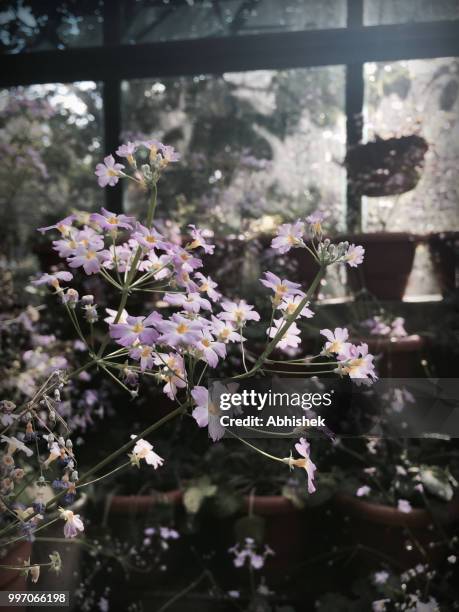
(351, 46)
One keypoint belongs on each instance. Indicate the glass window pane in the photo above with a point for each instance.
(256, 145)
(146, 21)
(410, 99)
(34, 25)
(379, 12)
(50, 141)
(259, 148)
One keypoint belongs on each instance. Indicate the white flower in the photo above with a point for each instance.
(14, 444)
(144, 450)
(363, 491)
(291, 338)
(404, 506)
(73, 523)
(380, 577)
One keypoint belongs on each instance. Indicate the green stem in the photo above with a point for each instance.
(123, 449)
(283, 330)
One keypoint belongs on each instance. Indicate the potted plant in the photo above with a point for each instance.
(398, 497)
(385, 167)
(398, 354)
(178, 351)
(444, 252)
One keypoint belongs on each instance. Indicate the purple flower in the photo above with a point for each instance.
(248, 552)
(73, 523)
(169, 154)
(302, 448)
(53, 279)
(354, 255)
(108, 172)
(207, 414)
(201, 412)
(315, 221)
(291, 338)
(173, 372)
(136, 329)
(238, 312)
(224, 331)
(149, 238)
(63, 226)
(363, 491)
(126, 150)
(199, 239)
(144, 354)
(209, 349)
(184, 260)
(288, 235)
(111, 222)
(336, 340)
(357, 362)
(291, 303)
(157, 265)
(207, 286)
(398, 328)
(179, 330)
(404, 506)
(282, 288)
(191, 302)
(87, 258)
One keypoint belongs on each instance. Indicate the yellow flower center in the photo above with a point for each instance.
(182, 328)
(90, 254)
(112, 220)
(138, 328)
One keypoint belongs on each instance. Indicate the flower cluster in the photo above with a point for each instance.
(384, 326)
(249, 553)
(353, 360)
(293, 235)
(189, 328)
(31, 440)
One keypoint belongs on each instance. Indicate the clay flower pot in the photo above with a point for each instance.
(123, 505)
(285, 529)
(398, 357)
(386, 266)
(444, 250)
(384, 528)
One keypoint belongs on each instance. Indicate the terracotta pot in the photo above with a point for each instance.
(387, 264)
(11, 580)
(386, 167)
(396, 357)
(386, 530)
(142, 504)
(444, 251)
(285, 529)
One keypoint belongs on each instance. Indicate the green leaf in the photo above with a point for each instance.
(195, 495)
(437, 482)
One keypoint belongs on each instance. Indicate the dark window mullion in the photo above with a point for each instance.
(354, 108)
(112, 101)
